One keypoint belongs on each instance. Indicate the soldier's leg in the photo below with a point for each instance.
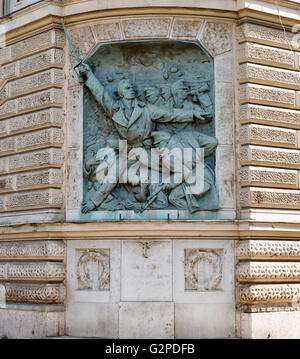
(161, 200)
(98, 197)
(177, 198)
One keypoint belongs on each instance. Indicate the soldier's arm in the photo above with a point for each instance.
(208, 143)
(164, 115)
(96, 88)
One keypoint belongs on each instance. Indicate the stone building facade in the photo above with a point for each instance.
(232, 272)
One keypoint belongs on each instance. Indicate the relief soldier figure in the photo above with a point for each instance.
(134, 120)
(148, 116)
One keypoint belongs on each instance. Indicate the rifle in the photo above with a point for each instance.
(153, 197)
(78, 59)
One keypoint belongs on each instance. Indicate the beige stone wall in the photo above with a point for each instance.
(267, 271)
(267, 288)
(31, 128)
(269, 117)
(32, 288)
(257, 86)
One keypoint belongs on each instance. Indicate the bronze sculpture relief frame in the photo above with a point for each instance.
(152, 96)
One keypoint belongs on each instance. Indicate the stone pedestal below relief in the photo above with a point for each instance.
(150, 289)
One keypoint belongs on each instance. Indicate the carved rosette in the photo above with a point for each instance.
(93, 269)
(202, 269)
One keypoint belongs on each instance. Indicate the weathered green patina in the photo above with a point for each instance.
(153, 95)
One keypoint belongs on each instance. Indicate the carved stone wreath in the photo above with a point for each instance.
(85, 278)
(202, 283)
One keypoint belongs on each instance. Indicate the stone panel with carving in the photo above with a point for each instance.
(217, 37)
(271, 294)
(34, 293)
(93, 269)
(268, 272)
(32, 250)
(264, 249)
(203, 269)
(32, 272)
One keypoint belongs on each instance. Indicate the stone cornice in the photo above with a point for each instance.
(46, 15)
(146, 230)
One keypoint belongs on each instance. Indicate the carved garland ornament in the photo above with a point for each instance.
(212, 263)
(99, 279)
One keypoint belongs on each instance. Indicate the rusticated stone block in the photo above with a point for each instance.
(5, 54)
(265, 55)
(7, 72)
(47, 178)
(107, 31)
(268, 249)
(269, 177)
(74, 113)
(83, 41)
(40, 139)
(32, 272)
(36, 120)
(272, 157)
(266, 95)
(269, 76)
(32, 324)
(268, 272)
(186, 28)
(2, 205)
(37, 43)
(4, 128)
(6, 184)
(34, 293)
(7, 146)
(224, 111)
(35, 160)
(52, 57)
(8, 108)
(4, 93)
(224, 70)
(268, 136)
(147, 27)
(27, 250)
(217, 37)
(270, 198)
(270, 116)
(138, 320)
(3, 165)
(49, 98)
(48, 198)
(225, 169)
(270, 294)
(264, 35)
(37, 82)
